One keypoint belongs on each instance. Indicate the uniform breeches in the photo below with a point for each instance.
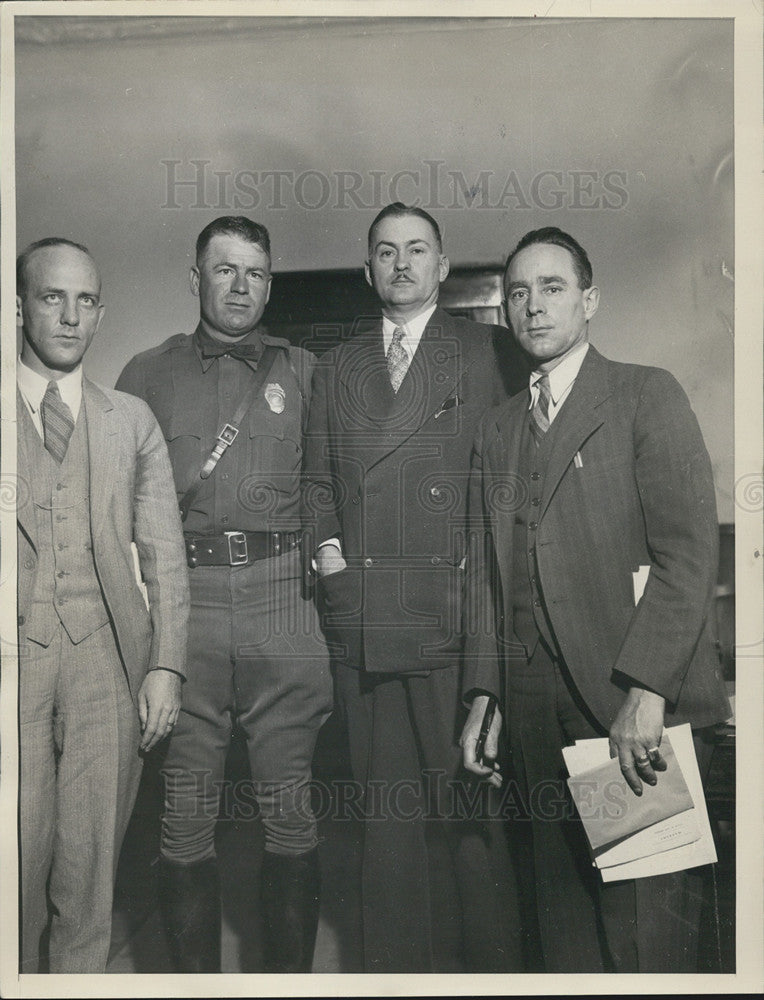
(256, 659)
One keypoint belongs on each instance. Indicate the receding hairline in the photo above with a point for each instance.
(30, 254)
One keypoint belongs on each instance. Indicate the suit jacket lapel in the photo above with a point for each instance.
(579, 417)
(103, 445)
(437, 367)
(434, 374)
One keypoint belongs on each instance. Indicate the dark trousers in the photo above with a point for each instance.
(639, 925)
(403, 733)
(256, 657)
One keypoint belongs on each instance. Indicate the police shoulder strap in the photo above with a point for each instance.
(228, 434)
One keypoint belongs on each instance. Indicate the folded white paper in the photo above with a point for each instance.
(673, 844)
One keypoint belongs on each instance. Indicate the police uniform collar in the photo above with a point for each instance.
(207, 349)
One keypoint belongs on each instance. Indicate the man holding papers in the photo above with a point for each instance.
(594, 542)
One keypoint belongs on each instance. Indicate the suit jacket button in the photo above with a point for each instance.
(537, 604)
(29, 564)
(435, 560)
(536, 501)
(535, 476)
(368, 562)
(356, 500)
(434, 492)
(22, 619)
(533, 525)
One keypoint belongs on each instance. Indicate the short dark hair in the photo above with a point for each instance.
(397, 210)
(233, 225)
(555, 236)
(22, 261)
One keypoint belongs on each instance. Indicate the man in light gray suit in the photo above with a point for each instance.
(99, 673)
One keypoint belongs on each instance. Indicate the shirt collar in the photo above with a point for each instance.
(564, 375)
(33, 386)
(414, 329)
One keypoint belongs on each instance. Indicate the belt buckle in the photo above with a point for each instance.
(228, 436)
(237, 548)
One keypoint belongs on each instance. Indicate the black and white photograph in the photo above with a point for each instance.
(381, 535)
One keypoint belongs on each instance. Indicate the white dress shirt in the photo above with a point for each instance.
(413, 331)
(561, 380)
(33, 386)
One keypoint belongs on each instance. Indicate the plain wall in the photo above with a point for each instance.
(645, 106)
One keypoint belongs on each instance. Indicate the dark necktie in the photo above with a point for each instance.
(244, 352)
(397, 359)
(57, 422)
(540, 411)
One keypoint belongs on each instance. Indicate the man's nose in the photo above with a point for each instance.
(535, 303)
(239, 283)
(70, 313)
(401, 262)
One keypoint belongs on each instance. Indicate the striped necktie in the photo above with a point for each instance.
(57, 422)
(540, 411)
(397, 359)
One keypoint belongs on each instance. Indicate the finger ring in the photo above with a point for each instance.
(643, 760)
(627, 767)
(654, 750)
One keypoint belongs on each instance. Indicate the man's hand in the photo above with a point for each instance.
(636, 735)
(329, 560)
(469, 740)
(158, 706)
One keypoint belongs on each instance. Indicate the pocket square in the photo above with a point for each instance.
(449, 404)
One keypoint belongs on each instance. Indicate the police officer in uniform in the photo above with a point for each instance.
(231, 401)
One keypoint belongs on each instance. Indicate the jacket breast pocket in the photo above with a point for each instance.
(183, 435)
(275, 450)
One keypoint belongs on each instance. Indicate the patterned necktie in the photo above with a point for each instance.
(397, 359)
(57, 422)
(540, 411)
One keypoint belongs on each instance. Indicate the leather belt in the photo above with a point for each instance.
(238, 548)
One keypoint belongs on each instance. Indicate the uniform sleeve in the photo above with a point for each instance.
(131, 379)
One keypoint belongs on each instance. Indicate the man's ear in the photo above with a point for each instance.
(193, 280)
(591, 301)
(19, 311)
(367, 272)
(445, 267)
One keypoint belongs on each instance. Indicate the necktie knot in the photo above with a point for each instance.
(539, 422)
(397, 359)
(57, 422)
(243, 352)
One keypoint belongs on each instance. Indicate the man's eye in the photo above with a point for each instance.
(385, 253)
(52, 298)
(553, 289)
(517, 296)
(88, 300)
